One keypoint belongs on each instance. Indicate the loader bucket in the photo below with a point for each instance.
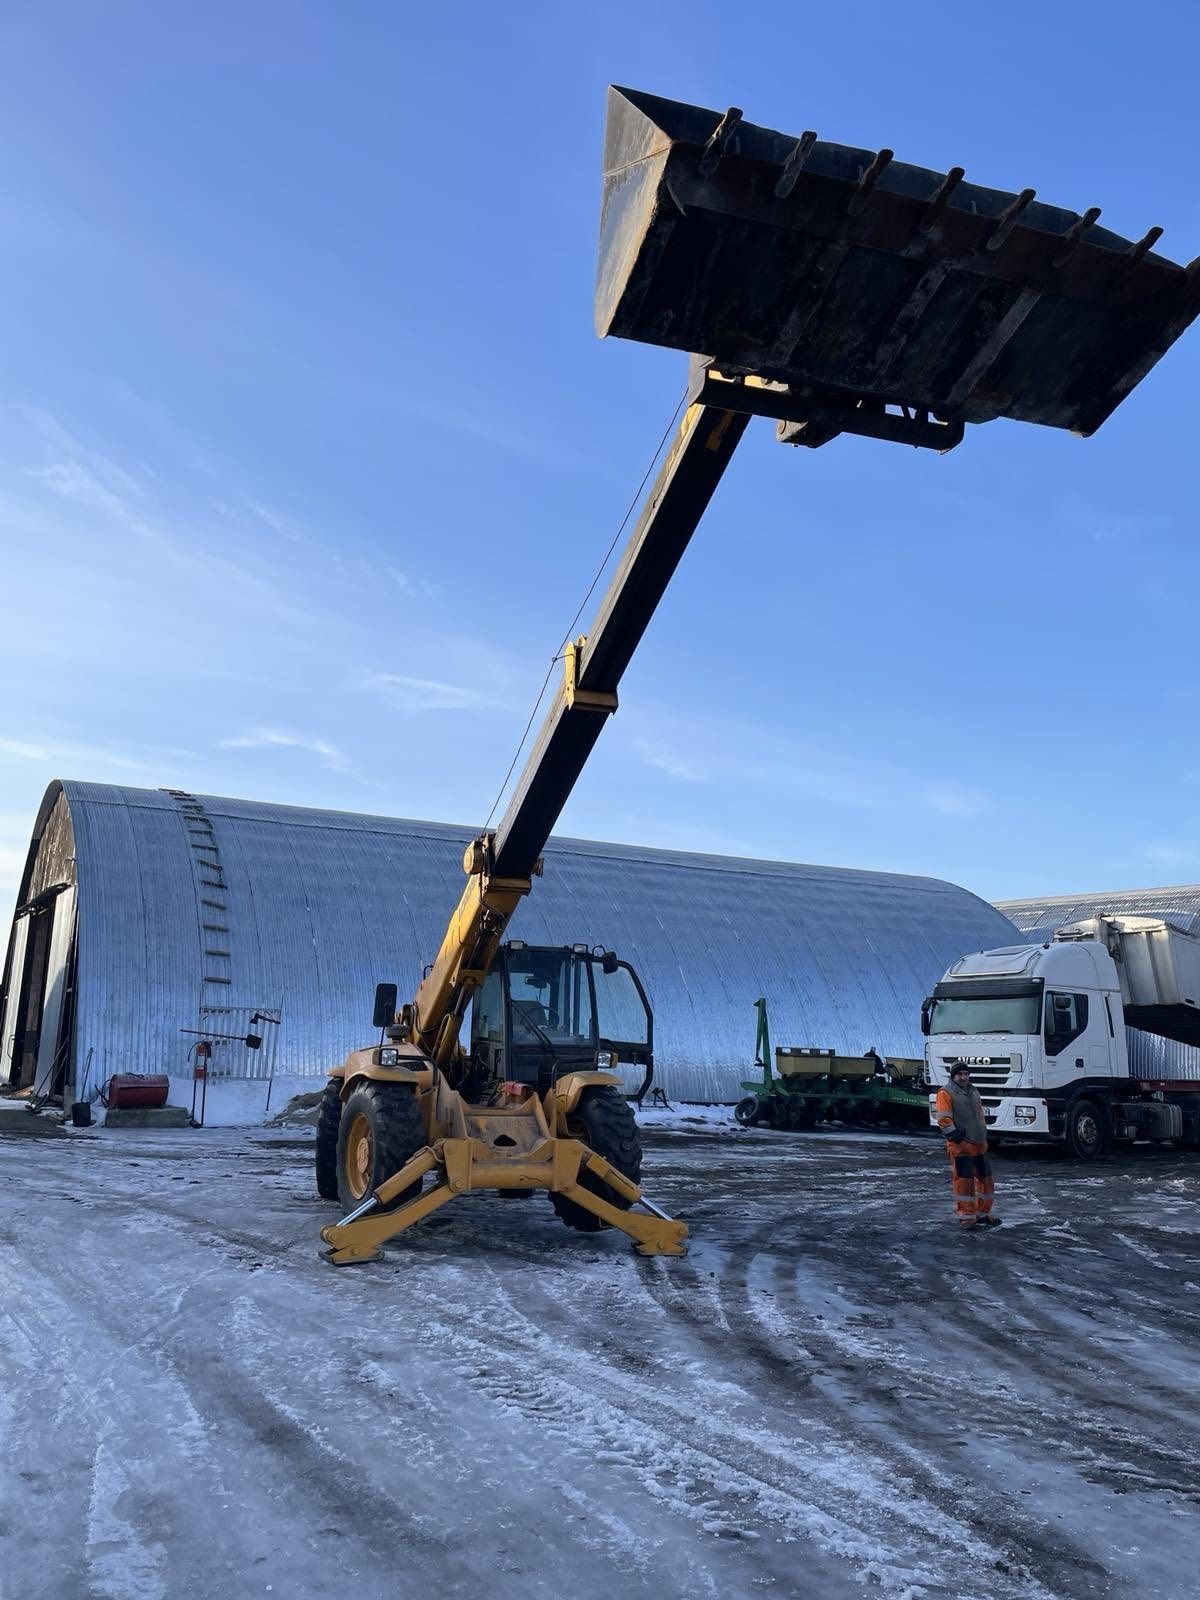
(844, 273)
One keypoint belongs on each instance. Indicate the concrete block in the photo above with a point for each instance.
(148, 1117)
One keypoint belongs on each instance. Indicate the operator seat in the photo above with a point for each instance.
(530, 1011)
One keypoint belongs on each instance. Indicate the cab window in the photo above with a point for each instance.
(487, 1020)
(1066, 1018)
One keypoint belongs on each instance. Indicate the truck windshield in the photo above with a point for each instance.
(998, 1014)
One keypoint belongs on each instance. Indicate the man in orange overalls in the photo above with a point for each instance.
(960, 1116)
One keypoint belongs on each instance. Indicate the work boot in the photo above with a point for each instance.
(989, 1221)
(966, 1226)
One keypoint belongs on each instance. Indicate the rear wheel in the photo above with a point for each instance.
(328, 1118)
(603, 1120)
(746, 1111)
(380, 1130)
(1087, 1129)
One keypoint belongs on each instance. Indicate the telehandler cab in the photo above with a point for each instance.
(834, 290)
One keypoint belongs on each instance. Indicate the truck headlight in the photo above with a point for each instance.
(389, 1057)
(1025, 1113)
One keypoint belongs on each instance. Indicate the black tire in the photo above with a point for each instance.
(603, 1120)
(746, 1111)
(1087, 1129)
(380, 1130)
(328, 1118)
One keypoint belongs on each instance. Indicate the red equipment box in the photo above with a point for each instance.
(129, 1090)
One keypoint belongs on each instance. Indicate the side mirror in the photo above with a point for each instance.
(926, 1014)
(385, 1005)
(609, 963)
(253, 1041)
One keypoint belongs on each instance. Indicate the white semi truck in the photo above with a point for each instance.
(1051, 1031)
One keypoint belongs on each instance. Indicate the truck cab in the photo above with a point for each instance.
(1043, 1029)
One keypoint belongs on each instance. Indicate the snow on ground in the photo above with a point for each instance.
(834, 1394)
(681, 1118)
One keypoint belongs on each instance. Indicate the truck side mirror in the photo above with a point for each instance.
(253, 1041)
(609, 963)
(385, 1005)
(926, 1012)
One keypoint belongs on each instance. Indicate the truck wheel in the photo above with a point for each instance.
(746, 1111)
(380, 1131)
(602, 1120)
(1086, 1129)
(328, 1118)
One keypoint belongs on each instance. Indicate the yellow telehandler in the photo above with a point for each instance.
(834, 290)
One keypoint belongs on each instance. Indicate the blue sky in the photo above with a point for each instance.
(308, 450)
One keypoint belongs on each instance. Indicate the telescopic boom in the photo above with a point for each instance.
(835, 290)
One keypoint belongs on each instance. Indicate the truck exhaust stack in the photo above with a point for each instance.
(863, 282)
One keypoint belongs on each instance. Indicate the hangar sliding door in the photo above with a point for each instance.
(12, 1001)
(52, 1050)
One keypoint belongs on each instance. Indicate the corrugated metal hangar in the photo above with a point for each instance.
(1149, 1055)
(143, 913)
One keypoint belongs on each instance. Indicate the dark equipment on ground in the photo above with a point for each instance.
(835, 291)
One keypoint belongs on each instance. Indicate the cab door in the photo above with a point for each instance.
(624, 1025)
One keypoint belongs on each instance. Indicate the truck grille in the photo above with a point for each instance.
(993, 1074)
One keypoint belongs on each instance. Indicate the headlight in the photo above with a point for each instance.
(389, 1057)
(1026, 1113)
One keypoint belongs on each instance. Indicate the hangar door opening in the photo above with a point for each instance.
(38, 1014)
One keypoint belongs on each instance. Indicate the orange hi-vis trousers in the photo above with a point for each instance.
(971, 1179)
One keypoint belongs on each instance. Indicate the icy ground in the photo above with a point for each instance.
(834, 1395)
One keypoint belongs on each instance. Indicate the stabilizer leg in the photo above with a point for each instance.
(360, 1240)
(655, 1235)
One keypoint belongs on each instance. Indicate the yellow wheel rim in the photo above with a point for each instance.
(360, 1156)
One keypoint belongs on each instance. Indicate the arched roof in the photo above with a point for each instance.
(1178, 904)
(321, 905)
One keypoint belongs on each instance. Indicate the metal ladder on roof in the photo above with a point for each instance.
(213, 894)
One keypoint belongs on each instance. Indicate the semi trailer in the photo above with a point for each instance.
(1051, 1033)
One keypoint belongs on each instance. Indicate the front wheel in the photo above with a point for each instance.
(745, 1112)
(604, 1122)
(380, 1130)
(1087, 1129)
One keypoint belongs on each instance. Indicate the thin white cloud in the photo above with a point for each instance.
(279, 525)
(752, 755)
(58, 441)
(66, 753)
(1108, 526)
(23, 751)
(277, 739)
(423, 694)
(686, 771)
(71, 480)
(953, 800)
(406, 582)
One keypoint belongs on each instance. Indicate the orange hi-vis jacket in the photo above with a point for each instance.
(970, 1170)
